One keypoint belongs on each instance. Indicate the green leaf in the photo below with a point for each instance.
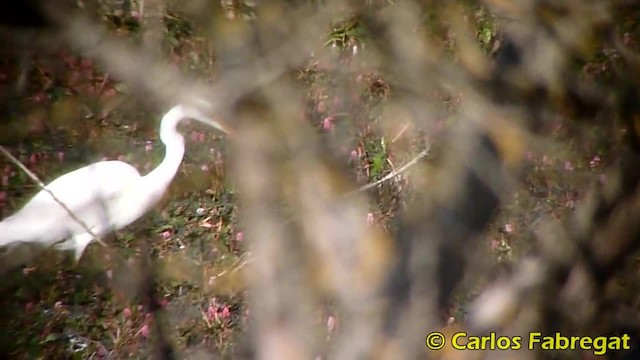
(378, 163)
(121, 88)
(50, 338)
(486, 35)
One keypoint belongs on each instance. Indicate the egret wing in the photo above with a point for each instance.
(99, 180)
(87, 192)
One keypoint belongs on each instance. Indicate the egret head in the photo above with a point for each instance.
(194, 113)
(169, 123)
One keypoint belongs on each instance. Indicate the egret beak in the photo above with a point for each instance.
(194, 113)
(197, 115)
(216, 124)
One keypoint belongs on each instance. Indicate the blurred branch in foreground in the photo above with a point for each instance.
(436, 119)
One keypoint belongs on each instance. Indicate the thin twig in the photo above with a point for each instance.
(42, 186)
(237, 265)
(395, 138)
(394, 173)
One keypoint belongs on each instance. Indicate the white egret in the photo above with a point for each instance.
(106, 196)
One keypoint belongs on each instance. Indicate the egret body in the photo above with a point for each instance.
(105, 196)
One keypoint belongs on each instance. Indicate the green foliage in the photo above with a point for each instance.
(347, 33)
(486, 26)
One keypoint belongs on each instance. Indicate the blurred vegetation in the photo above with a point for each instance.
(519, 120)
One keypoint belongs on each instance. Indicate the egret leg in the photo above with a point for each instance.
(78, 242)
(65, 245)
(82, 241)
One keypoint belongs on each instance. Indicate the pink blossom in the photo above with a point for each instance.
(164, 302)
(226, 313)
(201, 137)
(109, 93)
(331, 323)
(102, 352)
(327, 124)
(568, 166)
(570, 204)
(495, 243)
(508, 228)
(354, 155)
(212, 313)
(370, 219)
(204, 167)
(194, 136)
(148, 146)
(239, 236)
(144, 331)
(594, 162)
(39, 97)
(126, 313)
(58, 305)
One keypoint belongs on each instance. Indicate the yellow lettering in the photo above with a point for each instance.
(600, 345)
(547, 343)
(625, 342)
(516, 343)
(504, 343)
(474, 343)
(485, 339)
(585, 343)
(454, 341)
(613, 343)
(574, 340)
(534, 337)
(561, 342)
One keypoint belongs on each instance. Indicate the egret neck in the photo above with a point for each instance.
(156, 182)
